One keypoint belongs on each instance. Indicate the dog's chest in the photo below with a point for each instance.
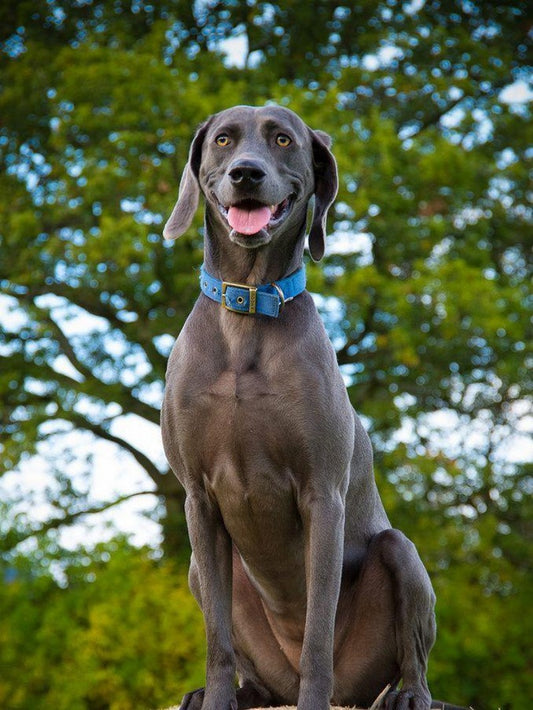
(229, 388)
(257, 406)
(244, 444)
(248, 419)
(242, 431)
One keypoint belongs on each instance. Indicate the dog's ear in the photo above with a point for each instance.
(189, 191)
(326, 185)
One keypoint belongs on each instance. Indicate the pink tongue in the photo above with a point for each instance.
(248, 221)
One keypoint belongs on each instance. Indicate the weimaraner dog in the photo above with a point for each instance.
(308, 594)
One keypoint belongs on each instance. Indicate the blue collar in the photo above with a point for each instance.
(241, 298)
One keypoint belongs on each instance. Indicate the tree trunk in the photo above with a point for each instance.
(175, 538)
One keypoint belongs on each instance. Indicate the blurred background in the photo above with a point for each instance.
(425, 291)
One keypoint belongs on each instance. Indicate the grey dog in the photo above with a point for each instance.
(308, 594)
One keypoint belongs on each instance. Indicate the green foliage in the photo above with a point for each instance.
(483, 629)
(120, 630)
(424, 291)
(481, 573)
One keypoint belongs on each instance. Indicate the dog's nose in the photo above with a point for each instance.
(248, 172)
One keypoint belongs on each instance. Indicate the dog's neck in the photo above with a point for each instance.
(230, 262)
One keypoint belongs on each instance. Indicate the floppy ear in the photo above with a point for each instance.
(326, 185)
(189, 192)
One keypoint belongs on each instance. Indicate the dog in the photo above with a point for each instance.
(308, 595)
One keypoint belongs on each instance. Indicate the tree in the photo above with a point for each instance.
(96, 637)
(424, 289)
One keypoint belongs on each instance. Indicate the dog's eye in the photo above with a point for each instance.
(282, 140)
(222, 140)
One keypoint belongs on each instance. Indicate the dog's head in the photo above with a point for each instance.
(258, 169)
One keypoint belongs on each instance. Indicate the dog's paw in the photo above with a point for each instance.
(193, 700)
(250, 696)
(197, 700)
(407, 699)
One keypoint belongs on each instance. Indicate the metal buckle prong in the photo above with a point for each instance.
(252, 294)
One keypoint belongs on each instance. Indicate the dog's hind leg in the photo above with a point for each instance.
(261, 664)
(415, 629)
(385, 627)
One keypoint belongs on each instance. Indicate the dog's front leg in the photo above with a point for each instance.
(211, 547)
(324, 527)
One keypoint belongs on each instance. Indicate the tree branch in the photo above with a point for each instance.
(96, 308)
(14, 538)
(66, 347)
(160, 479)
(116, 391)
(436, 116)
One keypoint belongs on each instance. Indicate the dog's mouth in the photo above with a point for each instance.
(249, 217)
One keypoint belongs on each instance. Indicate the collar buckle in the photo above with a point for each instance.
(239, 302)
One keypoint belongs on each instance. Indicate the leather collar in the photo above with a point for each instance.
(267, 299)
